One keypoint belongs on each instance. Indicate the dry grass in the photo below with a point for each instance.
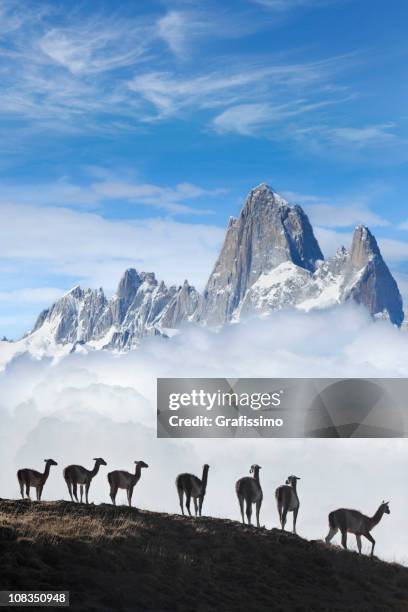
(124, 559)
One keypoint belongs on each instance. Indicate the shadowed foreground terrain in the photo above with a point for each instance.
(125, 559)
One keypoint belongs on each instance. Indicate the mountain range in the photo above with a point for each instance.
(270, 259)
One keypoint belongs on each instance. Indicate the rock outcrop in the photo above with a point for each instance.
(267, 233)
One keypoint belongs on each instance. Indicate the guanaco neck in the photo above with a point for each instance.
(95, 469)
(46, 471)
(204, 479)
(256, 474)
(138, 472)
(374, 520)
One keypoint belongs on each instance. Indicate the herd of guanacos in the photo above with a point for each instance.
(248, 490)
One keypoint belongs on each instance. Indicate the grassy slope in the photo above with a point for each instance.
(124, 559)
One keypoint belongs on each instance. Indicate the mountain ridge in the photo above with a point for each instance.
(270, 259)
(112, 558)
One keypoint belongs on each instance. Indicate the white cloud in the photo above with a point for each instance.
(393, 250)
(162, 197)
(65, 76)
(174, 28)
(330, 240)
(104, 405)
(250, 85)
(169, 93)
(107, 74)
(243, 119)
(251, 119)
(69, 73)
(12, 18)
(339, 214)
(108, 187)
(96, 250)
(33, 295)
(361, 136)
(189, 26)
(94, 47)
(284, 6)
(344, 210)
(375, 135)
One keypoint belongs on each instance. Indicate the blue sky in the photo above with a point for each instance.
(131, 131)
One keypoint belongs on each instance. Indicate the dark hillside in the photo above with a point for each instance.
(125, 559)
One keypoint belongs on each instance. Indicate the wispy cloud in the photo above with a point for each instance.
(289, 5)
(76, 72)
(236, 86)
(107, 72)
(338, 211)
(106, 187)
(345, 215)
(250, 119)
(93, 47)
(394, 250)
(244, 118)
(186, 27)
(94, 250)
(170, 199)
(35, 295)
(70, 73)
(173, 29)
(362, 136)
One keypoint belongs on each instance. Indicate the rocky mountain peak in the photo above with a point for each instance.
(363, 247)
(376, 288)
(129, 283)
(76, 292)
(264, 194)
(125, 293)
(149, 278)
(268, 232)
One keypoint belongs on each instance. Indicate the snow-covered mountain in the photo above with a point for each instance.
(268, 233)
(270, 259)
(141, 306)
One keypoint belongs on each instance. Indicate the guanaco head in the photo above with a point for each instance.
(141, 464)
(254, 468)
(385, 507)
(50, 462)
(206, 467)
(292, 480)
(100, 461)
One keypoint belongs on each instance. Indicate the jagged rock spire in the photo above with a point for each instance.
(268, 232)
(376, 288)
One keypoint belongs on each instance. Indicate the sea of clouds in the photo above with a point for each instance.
(103, 404)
